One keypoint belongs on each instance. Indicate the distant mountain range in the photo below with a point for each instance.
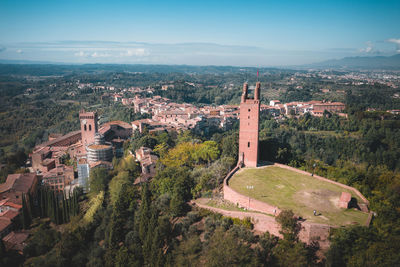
(347, 63)
(368, 63)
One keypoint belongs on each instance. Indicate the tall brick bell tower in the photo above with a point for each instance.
(88, 126)
(249, 126)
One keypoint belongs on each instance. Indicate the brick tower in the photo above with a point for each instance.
(249, 125)
(88, 126)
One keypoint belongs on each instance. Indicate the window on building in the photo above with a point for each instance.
(84, 127)
(249, 110)
(90, 127)
(248, 144)
(248, 117)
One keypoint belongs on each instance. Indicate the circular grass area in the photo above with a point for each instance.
(301, 193)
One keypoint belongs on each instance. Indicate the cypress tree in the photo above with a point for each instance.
(42, 203)
(144, 212)
(67, 210)
(76, 205)
(152, 227)
(24, 215)
(2, 250)
(49, 205)
(56, 209)
(63, 216)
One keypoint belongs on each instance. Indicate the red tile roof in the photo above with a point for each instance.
(15, 241)
(10, 214)
(4, 223)
(21, 182)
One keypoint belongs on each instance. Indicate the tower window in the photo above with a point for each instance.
(249, 110)
(90, 127)
(84, 127)
(248, 144)
(248, 117)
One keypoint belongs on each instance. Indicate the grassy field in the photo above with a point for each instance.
(301, 193)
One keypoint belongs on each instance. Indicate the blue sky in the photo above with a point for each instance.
(247, 33)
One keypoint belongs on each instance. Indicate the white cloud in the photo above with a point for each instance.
(396, 42)
(138, 52)
(19, 51)
(369, 48)
(95, 54)
(80, 54)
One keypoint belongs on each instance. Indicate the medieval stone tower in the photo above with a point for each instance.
(249, 126)
(88, 126)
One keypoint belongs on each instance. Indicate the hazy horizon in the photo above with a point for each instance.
(255, 33)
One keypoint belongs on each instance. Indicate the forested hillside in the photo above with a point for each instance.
(122, 223)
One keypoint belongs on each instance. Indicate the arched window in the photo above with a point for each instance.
(90, 127)
(248, 144)
(84, 127)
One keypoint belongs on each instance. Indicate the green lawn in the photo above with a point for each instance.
(301, 193)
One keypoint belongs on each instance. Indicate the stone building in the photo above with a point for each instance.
(59, 177)
(333, 107)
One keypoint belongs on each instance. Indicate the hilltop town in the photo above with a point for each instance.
(64, 162)
(98, 142)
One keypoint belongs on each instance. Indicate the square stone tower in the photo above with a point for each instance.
(88, 126)
(249, 126)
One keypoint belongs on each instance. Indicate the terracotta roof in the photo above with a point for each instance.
(99, 163)
(11, 178)
(68, 135)
(20, 182)
(329, 104)
(4, 223)
(47, 162)
(10, 214)
(15, 241)
(98, 146)
(104, 129)
(137, 122)
(7, 203)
